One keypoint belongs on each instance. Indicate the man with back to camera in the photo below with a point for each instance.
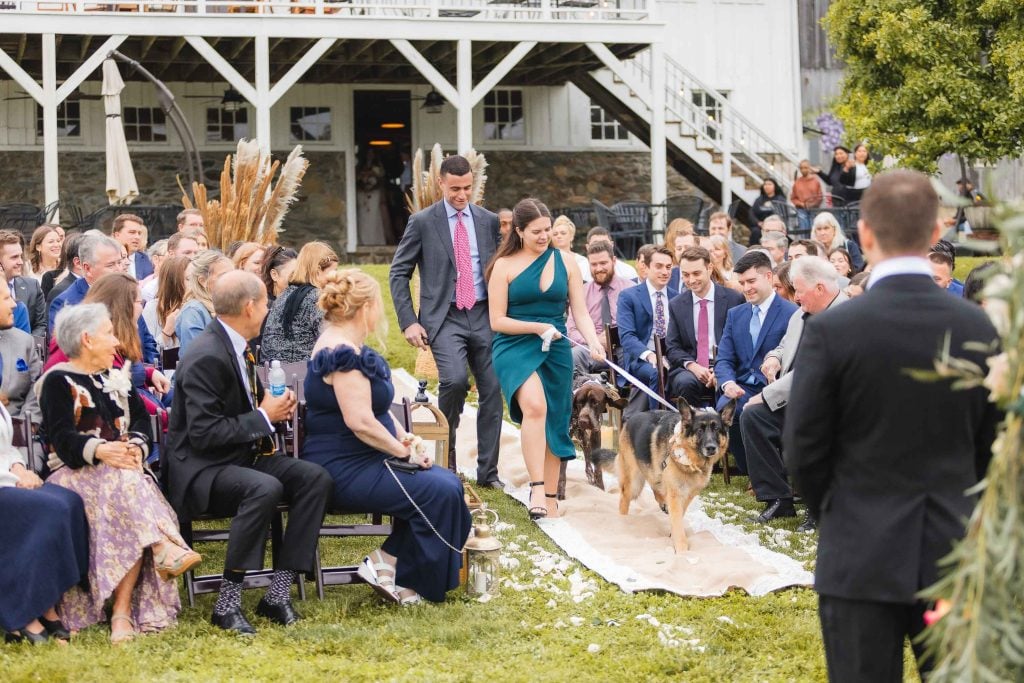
(882, 459)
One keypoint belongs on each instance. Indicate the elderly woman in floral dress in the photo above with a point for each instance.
(98, 433)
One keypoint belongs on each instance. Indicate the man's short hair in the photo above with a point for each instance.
(601, 247)
(123, 218)
(659, 249)
(174, 240)
(810, 245)
(720, 216)
(182, 215)
(90, 246)
(10, 237)
(946, 247)
(696, 254)
(901, 208)
(597, 231)
(773, 219)
(643, 253)
(753, 259)
(455, 165)
(815, 270)
(776, 239)
(233, 291)
(941, 257)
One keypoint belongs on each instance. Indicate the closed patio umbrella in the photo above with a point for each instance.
(121, 185)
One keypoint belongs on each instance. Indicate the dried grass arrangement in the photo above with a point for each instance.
(251, 206)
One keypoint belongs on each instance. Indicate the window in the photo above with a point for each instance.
(144, 124)
(603, 126)
(310, 123)
(712, 108)
(226, 126)
(69, 119)
(503, 115)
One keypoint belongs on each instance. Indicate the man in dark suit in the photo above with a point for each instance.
(696, 323)
(221, 458)
(751, 330)
(882, 459)
(643, 316)
(24, 289)
(451, 242)
(817, 287)
(127, 230)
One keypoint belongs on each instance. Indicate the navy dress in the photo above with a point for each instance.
(362, 483)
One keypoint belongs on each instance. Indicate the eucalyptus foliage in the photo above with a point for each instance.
(929, 77)
(981, 637)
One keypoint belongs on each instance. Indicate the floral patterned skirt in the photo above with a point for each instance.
(127, 513)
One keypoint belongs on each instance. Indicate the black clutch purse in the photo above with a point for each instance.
(401, 465)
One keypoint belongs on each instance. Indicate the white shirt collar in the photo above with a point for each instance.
(900, 265)
(238, 342)
(766, 304)
(651, 290)
(709, 297)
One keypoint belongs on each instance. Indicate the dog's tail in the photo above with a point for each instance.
(604, 458)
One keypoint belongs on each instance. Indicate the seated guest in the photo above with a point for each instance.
(817, 287)
(622, 269)
(601, 295)
(178, 244)
(157, 252)
(721, 262)
(974, 283)
(642, 253)
(776, 243)
(858, 283)
(563, 232)
(942, 272)
(773, 224)
(801, 248)
(161, 314)
(189, 219)
(44, 540)
(696, 322)
(643, 315)
(200, 237)
(293, 323)
(221, 459)
(350, 432)
(249, 257)
(679, 236)
(751, 330)
(720, 223)
(24, 289)
(98, 433)
(128, 229)
(44, 251)
(830, 235)
(68, 270)
(20, 366)
(946, 248)
(197, 311)
(781, 282)
(278, 264)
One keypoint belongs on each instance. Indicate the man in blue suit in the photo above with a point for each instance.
(127, 230)
(751, 330)
(643, 313)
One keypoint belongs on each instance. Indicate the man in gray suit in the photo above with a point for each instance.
(21, 366)
(23, 289)
(451, 243)
(817, 288)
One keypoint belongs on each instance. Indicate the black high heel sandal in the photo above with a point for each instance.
(55, 629)
(537, 512)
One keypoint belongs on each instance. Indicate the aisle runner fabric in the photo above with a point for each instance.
(634, 551)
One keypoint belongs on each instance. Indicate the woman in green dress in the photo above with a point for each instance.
(528, 284)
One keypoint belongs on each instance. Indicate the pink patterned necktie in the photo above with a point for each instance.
(703, 350)
(465, 290)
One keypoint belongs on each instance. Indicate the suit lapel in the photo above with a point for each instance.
(685, 312)
(721, 311)
(443, 231)
(484, 239)
(769, 320)
(742, 334)
(222, 335)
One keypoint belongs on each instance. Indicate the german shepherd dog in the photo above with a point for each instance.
(674, 453)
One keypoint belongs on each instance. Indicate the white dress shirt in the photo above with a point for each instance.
(652, 293)
(238, 344)
(901, 265)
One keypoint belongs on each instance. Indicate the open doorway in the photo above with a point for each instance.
(383, 132)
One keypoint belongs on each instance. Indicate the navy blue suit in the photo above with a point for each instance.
(143, 265)
(739, 359)
(635, 319)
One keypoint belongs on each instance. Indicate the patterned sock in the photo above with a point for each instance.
(230, 597)
(280, 590)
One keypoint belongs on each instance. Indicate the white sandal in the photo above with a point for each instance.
(369, 571)
(408, 600)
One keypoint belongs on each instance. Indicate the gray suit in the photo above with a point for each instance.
(16, 346)
(29, 292)
(761, 424)
(456, 337)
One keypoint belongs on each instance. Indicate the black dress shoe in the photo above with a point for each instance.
(235, 621)
(780, 507)
(808, 525)
(495, 484)
(24, 634)
(283, 614)
(56, 629)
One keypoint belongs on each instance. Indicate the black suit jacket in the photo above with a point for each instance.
(212, 421)
(31, 293)
(681, 340)
(883, 459)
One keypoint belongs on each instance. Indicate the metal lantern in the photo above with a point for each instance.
(435, 430)
(483, 555)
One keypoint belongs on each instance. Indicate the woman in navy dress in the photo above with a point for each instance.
(349, 431)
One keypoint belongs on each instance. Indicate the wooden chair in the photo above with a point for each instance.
(659, 358)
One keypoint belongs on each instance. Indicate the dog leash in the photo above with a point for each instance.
(630, 378)
(420, 510)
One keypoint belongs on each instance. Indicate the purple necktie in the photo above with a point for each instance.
(659, 316)
(703, 350)
(465, 290)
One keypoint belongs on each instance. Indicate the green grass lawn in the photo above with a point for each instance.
(537, 633)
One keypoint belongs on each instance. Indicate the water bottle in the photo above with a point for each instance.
(276, 379)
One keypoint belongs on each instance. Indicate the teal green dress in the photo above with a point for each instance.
(517, 356)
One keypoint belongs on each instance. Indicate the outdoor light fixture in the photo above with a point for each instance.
(483, 552)
(380, 143)
(433, 103)
(233, 100)
(393, 126)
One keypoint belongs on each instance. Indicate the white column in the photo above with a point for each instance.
(51, 189)
(659, 160)
(464, 105)
(348, 129)
(263, 92)
(726, 129)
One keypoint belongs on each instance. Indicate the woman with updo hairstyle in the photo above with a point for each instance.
(278, 263)
(375, 464)
(529, 282)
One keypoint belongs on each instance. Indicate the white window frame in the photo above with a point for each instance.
(606, 120)
(315, 109)
(220, 125)
(61, 109)
(485, 106)
(151, 124)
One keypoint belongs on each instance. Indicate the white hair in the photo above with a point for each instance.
(826, 218)
(815, 270)
(73, 321)
(92, 244)
(776, 238)
(774, 219)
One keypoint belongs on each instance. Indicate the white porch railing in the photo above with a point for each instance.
(493, 10)
(717, 126)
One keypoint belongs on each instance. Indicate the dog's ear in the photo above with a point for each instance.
(684, 410)
(727, 412)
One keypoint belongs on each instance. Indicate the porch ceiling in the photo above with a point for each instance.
(171, 59)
